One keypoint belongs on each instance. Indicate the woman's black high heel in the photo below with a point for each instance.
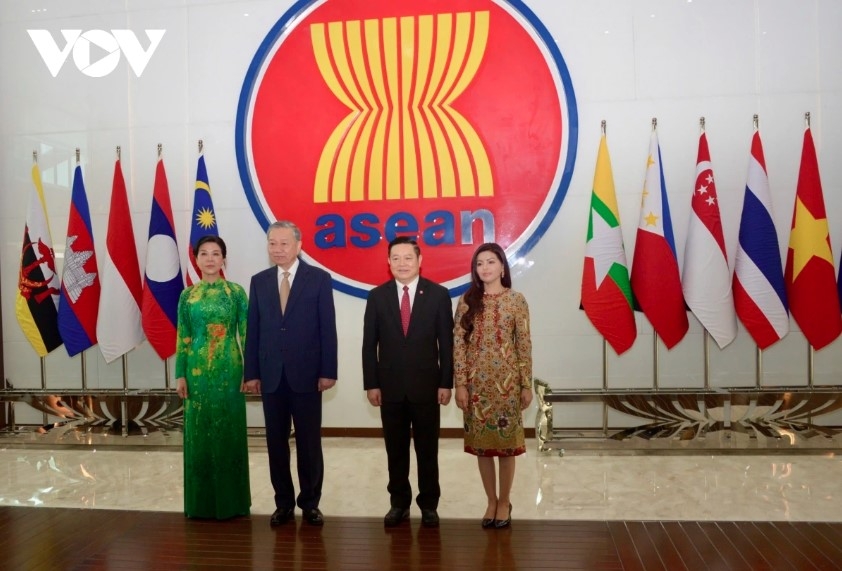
(488, 522)
(503, 523)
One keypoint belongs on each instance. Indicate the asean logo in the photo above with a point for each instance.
(450, 120)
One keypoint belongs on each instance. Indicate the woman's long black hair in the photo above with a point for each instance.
(473, 297)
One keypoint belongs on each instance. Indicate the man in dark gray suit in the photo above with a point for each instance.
(408, 373)
(290, 358)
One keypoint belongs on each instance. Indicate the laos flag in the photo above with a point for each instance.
(163, 281)
(80, 287)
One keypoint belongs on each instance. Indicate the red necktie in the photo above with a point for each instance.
(405, 310)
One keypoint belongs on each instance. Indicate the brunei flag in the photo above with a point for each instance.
(36, 303)
(163, 281)
(203, 219)
(606, 291)
(80, 287)
(655, 279)
(809, 275)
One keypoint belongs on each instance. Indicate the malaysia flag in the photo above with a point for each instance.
(655, 280)
(163, 281)
(202, 221)
(120, 331)
(759, 289)
(80, 288)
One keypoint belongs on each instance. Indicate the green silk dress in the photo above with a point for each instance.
(209, 356)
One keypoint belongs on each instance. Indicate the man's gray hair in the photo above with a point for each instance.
(284, 224)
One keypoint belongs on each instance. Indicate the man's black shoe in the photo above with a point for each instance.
(281, 516)
(395, 516)
(429, 518)
(314, 517)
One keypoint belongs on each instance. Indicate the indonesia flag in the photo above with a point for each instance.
(809, 275)
(655, 280)
(163, 281)
(606, 293)
(203, 219)
(119, 330)
(759, 290)
(706, 280)
(80, 287)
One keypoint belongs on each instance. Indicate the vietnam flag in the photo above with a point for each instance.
(118, 329)
(810, 277)
(80, 287)
(202, 221)
(163, 281)
(706, 280)
(38, 284)
(655, 280)
(606, 291)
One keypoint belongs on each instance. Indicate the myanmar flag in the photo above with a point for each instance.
(809, 275)
(606, 291)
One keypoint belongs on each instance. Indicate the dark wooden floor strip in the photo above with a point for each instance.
(93, 540)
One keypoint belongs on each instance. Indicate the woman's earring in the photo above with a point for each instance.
(503, 274)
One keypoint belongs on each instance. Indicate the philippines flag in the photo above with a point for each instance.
(80, 287)
(809, 274)
(119, 331)
(706, 280)
(759, 290)
(163, 281)
(655, 280)
(203, 219)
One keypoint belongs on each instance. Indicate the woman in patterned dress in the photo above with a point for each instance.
(209, 372)
(492, 359)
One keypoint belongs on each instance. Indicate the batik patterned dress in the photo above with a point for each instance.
(494, 366)
(209, 356)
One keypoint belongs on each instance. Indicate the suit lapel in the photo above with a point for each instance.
(418, 303)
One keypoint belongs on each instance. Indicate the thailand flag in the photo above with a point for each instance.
(80, 287)
(163, 281)
(759, 290)
(202, 221)
(655, 280)
(120, 330)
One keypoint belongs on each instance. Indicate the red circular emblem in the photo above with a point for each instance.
(452, 121)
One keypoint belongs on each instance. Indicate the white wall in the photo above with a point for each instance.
(629, 61)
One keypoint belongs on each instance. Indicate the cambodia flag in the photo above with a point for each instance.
(80, 286)
(163, 282)
(655, 281)
(809, 273)
(202, 221)
(759, 289)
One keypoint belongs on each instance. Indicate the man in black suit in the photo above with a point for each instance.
(408, 373)
(290, 358)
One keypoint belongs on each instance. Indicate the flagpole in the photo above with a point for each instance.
(655, 359)
(167, 373)
(810, 356)
(706, 352)
(604, 371)
(758, 366)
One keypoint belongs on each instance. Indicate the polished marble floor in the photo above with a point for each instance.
(577, 486)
